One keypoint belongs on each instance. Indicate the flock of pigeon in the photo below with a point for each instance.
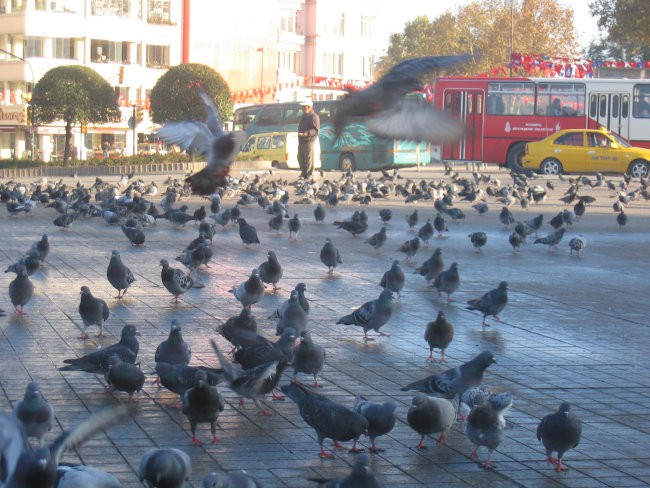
(258, 364)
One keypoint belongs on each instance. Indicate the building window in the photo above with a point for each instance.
(63, 48)
(289, 62)
(159, 12)
(367, 66)
(8, 6)
(366, 26)
(157, 56)
(109, 52)
(333, 64)
(33, 47)
(66, 6)
(290, 22)
(117, 8)
(334, 25)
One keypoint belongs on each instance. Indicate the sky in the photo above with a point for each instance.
(402, 11)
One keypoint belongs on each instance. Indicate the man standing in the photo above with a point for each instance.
(308, 128)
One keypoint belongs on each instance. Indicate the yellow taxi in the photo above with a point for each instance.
(586, 151)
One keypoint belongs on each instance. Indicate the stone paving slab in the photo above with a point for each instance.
(575, 329)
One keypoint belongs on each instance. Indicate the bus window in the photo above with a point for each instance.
(264, 143)
(625, 108)
(269, 116)
(603, 106)
(561, 99)
(510, 98)
(325, 111)
(593, 106)
(641, 101)
(615, 106)
(278, 141)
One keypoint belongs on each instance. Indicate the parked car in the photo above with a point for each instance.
(281, 148)
(586, 151)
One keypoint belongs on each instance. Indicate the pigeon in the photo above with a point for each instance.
(330, 256)
(308, 358)
(293, 316)
(270, 271)
(559, 432)
(247, 232)
(202, 403)
(478, 240)
(200, 214)
(481, 207)
(75, 476)
(453, 382)
(294, 227)
(412, 219)
(247, 383)
(21, 290)
(119, 276)
(410, 248)
(239, 329)
(123, 376)
(371, 315)
(65, 221)
(484, 428)
(239, 479)
(250, 291)
(439, 335)
(175, 280)
(97, 362)
(491, 303)
(429, 415)
(426, 232)
(135, 236)
(516, 240)
(329, 420)
(174, 350)
(276, 222)
(388, 114)
(261, 351)
(577, 244)
(42, 247)
(432, 267)
(169, 468)
(385, 214)
(29, 261)
(477, 395)
(393, 279)
(506, 217)
(378, 239)
(319, 213)
(552, 239)
(381, 418)
(535, 223)
(440, 225)
(354, 227)
(205, 138)
(207, 231)
(360, 477)
(621, 219)
(93, 311)
(34, 413)
(557, 221)
(302, 300)
(179, 378)
(447, 281)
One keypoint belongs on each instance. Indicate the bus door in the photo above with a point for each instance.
(468, 107)
(611, 110)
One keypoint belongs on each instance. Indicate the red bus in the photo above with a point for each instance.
(503, 114)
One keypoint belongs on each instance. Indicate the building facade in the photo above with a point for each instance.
(267, 50)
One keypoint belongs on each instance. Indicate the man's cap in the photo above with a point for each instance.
(307, 103)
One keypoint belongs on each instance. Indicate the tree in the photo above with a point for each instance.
(174, 96)
(483, 30)
(75, 95)
(626, 24)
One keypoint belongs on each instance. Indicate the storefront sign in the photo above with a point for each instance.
(12, 115)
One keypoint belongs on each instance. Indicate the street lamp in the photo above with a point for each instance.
(261, 51)
(31, 105)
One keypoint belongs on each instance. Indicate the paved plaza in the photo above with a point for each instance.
(575, 329)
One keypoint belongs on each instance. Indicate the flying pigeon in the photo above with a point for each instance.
(202, 403)
(93, 311)
(329, 420)
(430, 415)
(491, 303)
(439, 334)
(165, 467)
(381, 418)
(387, 113)
(371, 315)
(205, 138)
(559, 432)
(119, 276)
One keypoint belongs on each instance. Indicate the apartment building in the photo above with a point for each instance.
(270, 50)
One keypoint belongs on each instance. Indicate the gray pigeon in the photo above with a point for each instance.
(294, 227)
(484, 427)
(360, 477)
(378, 239)
(178, 378)
(439, 334)
(447, 281)
(239, 328)
(506, 217)
(247, 232)
(308, 358)
(410, 248)
(202, 403)
(79, 476)
(250, 291)
(119, 276)
(559, 432)
(93, 311)
(577, 244)
(330, 256)
(293, 315)
(393, 279)
(426, 232)
(478, 240)
(319, 213)
(175, 280)
(271, 270)
(432, 266)
(174, 350)
(491, 303)
(371, 315)
(34, 413)
(165, 468)
(381, 418)
(430, 415)
(135, 236)
(552, 239)
(125, 377)
(330, 420)
(477, 395)
(208, 139)
(21, 290)
(234, 479)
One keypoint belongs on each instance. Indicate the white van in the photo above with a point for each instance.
(281, 148)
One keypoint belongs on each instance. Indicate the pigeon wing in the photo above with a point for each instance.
(213, 120)
(415, 67)
(195, 136)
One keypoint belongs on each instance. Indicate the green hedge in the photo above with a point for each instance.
(119, 161)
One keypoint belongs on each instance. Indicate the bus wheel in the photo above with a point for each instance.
(346, 162)
(515, 154)
(550, 166)
(275, 164)
(638, 169)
